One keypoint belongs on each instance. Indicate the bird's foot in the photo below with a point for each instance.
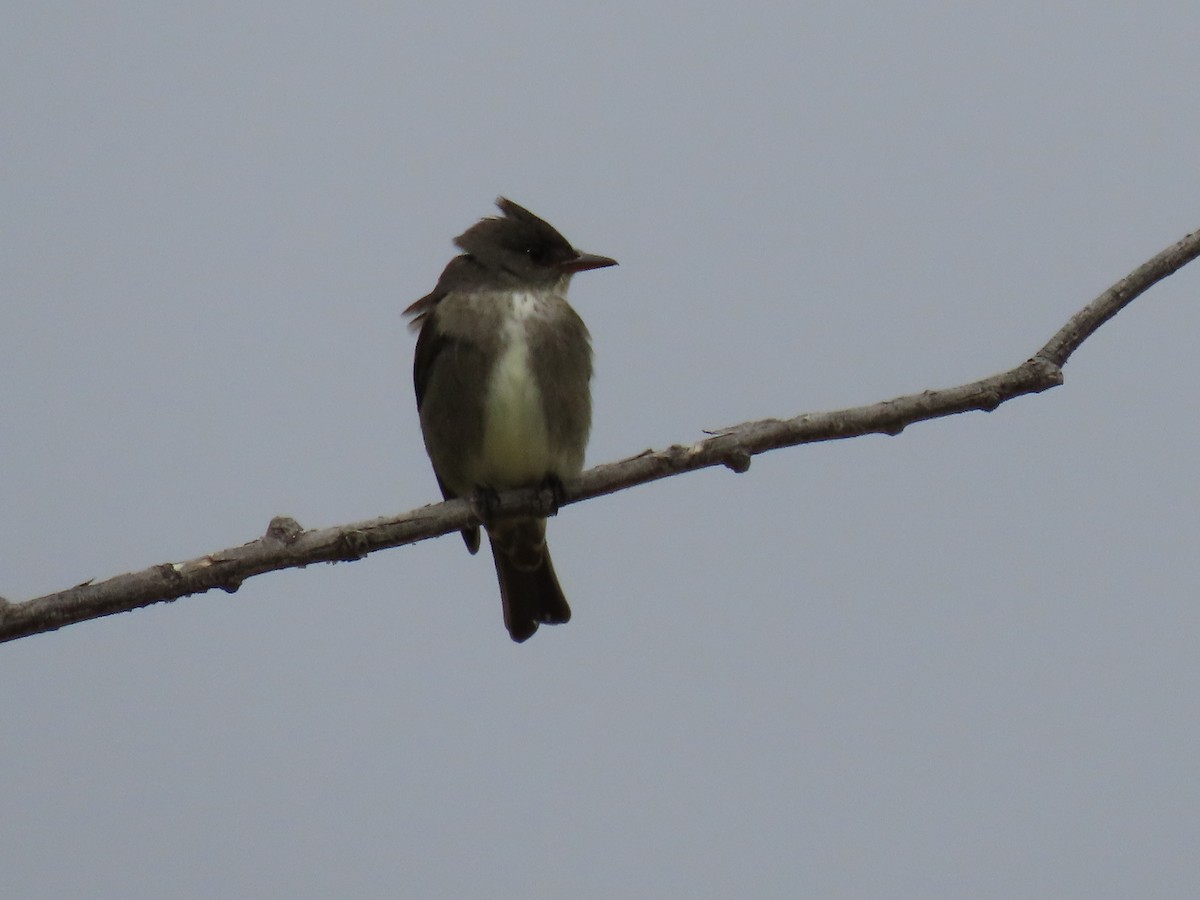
(553, 485)
(484, 501)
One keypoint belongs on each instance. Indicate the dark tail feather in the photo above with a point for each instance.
(531, 593)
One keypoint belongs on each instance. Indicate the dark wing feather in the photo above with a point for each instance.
(430, 344)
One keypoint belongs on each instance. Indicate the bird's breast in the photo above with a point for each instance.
(517, 449)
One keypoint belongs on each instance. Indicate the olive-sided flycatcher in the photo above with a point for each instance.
(501, 371)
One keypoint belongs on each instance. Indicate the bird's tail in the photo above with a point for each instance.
(529, 588)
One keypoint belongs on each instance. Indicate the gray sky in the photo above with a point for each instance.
(960, 662)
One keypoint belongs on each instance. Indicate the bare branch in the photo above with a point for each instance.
(1084, 323)
(286, 545)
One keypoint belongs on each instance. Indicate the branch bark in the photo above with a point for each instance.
(286, 545)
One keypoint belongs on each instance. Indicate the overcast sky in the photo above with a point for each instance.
(962, 662)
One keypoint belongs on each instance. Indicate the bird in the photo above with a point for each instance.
(502, 373)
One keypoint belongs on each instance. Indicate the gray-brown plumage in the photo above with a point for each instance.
(501, 372)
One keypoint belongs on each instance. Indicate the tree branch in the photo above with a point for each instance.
(286, 545)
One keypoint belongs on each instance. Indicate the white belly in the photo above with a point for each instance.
(516, 446)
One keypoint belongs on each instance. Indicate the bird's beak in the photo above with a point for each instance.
(585, 261)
